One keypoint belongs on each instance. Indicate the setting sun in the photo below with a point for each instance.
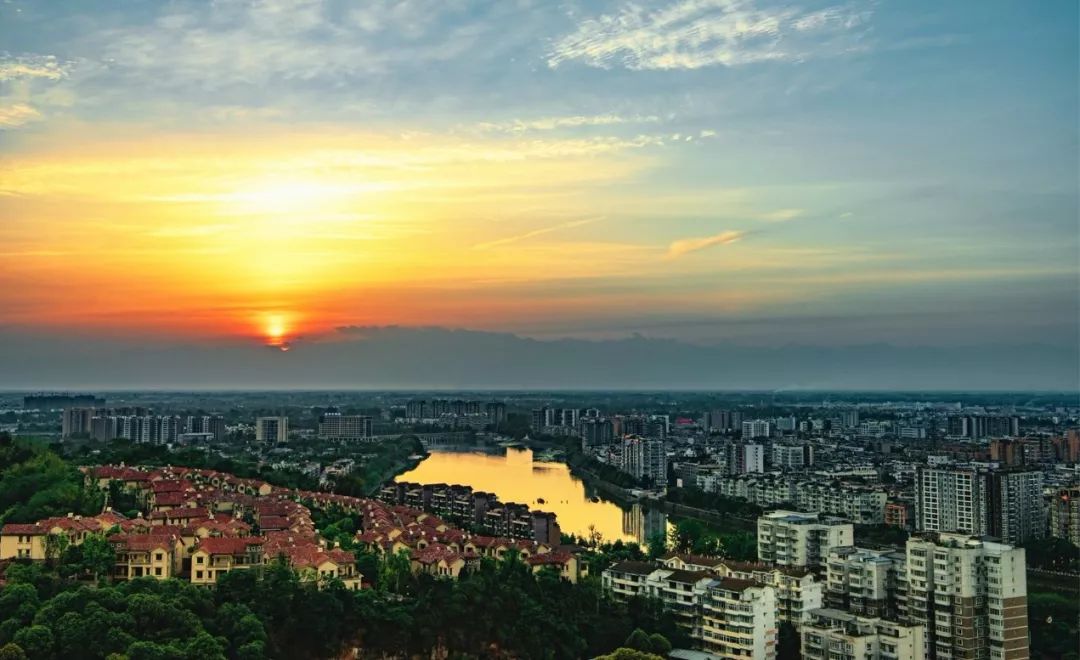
(275, 330)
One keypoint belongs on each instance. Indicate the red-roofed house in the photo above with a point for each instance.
(217, 555)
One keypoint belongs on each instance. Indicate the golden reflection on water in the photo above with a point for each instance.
(514, 477)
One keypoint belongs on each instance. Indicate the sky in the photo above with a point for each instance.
(717, 172)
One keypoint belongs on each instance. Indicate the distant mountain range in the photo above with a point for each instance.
(434, 358)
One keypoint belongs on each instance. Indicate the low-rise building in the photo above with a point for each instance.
(838, 635)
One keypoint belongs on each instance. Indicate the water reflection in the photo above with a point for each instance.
(514, 477)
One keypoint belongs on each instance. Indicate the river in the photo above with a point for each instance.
(515, 477)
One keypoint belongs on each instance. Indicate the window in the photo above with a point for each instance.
(198, 575)
(159, 556)
(157, 571)
(198, 559)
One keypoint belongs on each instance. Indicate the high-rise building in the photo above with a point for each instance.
(645, 458)
(596, 432)
(757, 428)
(738, 619)
(862, 581)
(789, 538)
(335, 426)
(76, 422)
(272, 429)
(952, 500)
(969, 594)
(416, 409)
(977, 427)
(1065, 514)
(1017, 513)
(495, 411)
(744, 458)
(849, 419)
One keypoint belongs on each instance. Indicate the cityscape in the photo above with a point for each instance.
(758, 524)
(539, 330)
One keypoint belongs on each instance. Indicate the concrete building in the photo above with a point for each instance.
(792, 457)
(726, 616)
(1017, 512)
(863, 581)
(838, 635)
(76, 422)
(756, 428)
(789, 538)
(272, 429)
(951, 500)
(738, 619)
(970, 595)
(345, 428)
(645, 459)
(1065, 514)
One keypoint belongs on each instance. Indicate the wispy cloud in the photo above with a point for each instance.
(692, 34)
(687, 245)
(536, 232)
(553, 123)
(17, 114)
(32, 66)
(782, 215)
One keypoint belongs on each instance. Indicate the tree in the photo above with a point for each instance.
(657, 546)
(660, 644)
(12, 651)
(98, 556)
(639, 640)
(629, 654)
(37, 641)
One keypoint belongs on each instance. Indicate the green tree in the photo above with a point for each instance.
(37, 641)
(12, 651)
(660, 644)
(639, 640)
(98, 556)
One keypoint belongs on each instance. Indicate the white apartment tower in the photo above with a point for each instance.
(952, 500)
(789, 538)
(970, 595)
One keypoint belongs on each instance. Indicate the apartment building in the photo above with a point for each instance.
(1064, 514)
(951, 500)
(1016, 509)
(797, 591)
(970, 595)
(838, 635)
(727, 616)
(738, 619)
(863, 582)
(644, 458)
(789, 538)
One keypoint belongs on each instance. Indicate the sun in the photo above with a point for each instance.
(276, 330)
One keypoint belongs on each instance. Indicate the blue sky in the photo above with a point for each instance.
(757, 172)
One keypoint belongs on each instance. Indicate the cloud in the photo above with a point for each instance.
(692, 34)
(553, 123)
(13, 67)
(781, 215)
(17, 115)
(687, 245)
(535, 232)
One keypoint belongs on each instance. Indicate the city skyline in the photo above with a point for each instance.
(208, 179)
